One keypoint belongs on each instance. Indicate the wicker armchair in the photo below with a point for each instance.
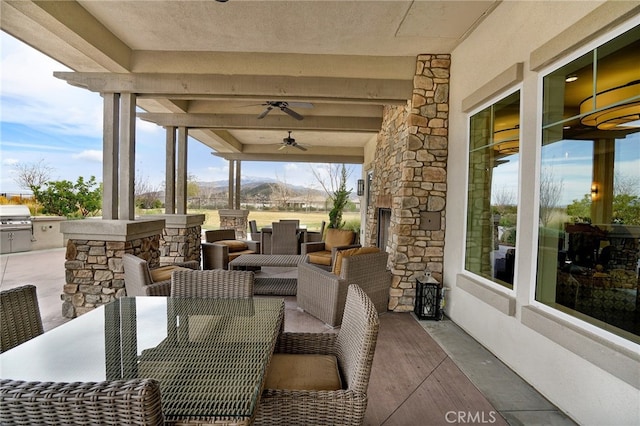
(221, 247)
(20, 318)
(322, 293)
(216, 283)
(139, 279)
(117, 402)
(324, 252)
(353, 346)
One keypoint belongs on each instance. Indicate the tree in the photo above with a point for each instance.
(550, 193)
(146, 195)
(580, 210)
(337, 191)
(64, 198)
(32, 175)
(280, 192)
(193, 188)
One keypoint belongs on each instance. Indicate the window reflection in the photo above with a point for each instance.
(494, 162)
(589, 237)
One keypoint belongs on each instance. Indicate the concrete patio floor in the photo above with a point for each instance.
(512, 397)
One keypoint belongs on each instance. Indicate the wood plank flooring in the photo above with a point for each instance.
(414, 382)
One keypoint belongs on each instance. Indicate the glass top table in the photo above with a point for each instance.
(209, 355)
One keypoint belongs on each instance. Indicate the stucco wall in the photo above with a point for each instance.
(586, 386)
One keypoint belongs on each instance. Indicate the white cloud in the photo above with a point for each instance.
(33, 97)
(10, 161)
(89, 155)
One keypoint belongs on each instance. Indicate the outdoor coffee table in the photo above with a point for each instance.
(270, 284)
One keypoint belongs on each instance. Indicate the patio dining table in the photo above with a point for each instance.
(210, 356)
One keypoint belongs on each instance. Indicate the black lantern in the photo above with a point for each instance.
(360, 187)
(428, 298)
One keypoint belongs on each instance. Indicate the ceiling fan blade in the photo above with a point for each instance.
(300, 147)
(300, 104)
(282, 147)
(265, 112)
(292, 113)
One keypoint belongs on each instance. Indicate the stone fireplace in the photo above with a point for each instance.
(409, 181)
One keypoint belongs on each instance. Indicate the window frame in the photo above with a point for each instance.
(502, 94)
(572, 320)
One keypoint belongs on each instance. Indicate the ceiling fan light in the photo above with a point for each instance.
(610, 113)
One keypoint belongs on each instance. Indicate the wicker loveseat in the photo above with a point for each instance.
(322, 293)
(221, 247)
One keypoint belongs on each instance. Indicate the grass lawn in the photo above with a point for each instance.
(264, 218)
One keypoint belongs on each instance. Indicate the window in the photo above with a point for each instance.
(492, 204)
(589, 227)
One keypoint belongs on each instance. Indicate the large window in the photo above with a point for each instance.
(492, 203)
(589, 236)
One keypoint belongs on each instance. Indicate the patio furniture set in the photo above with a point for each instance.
(222, 359)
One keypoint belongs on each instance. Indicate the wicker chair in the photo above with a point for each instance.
(284, 237)
(216, 283)
(139, 281)
(316, 236)
(20, 318)
(353, 346)
(253, 231)
(322, 293)
(221, 247)
(324, 252)
(118, 402)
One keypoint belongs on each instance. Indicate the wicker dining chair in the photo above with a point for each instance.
(218, 283)
(118, 402)
(20, 318)
(284, 238)
(353, 347)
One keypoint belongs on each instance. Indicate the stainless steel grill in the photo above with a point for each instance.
(16, 229)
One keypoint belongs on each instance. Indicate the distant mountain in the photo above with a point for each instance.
(252, 187)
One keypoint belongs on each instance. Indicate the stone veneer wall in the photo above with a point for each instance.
(94, 272)
(180, 244)
(410, 177)
(235, 219)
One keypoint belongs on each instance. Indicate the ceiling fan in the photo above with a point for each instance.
(289, 141)
(284, 107)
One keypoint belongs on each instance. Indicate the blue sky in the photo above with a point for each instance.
(44, 118)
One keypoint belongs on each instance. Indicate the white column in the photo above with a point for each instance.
(230, 203)
(237, 197)
(181, 187)
(127, 156)
(110, 145)
(170, 172)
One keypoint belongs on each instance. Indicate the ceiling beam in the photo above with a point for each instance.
(294, 158)
(272, 122)
(235, 86)
(65, 31)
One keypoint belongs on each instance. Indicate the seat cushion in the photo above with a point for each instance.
(303, 372)
(239, 253)
(337, 267)
(338, 237)
(322, 257)
(163, 273)
(234, 245)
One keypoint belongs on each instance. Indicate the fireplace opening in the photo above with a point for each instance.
(384, 222)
